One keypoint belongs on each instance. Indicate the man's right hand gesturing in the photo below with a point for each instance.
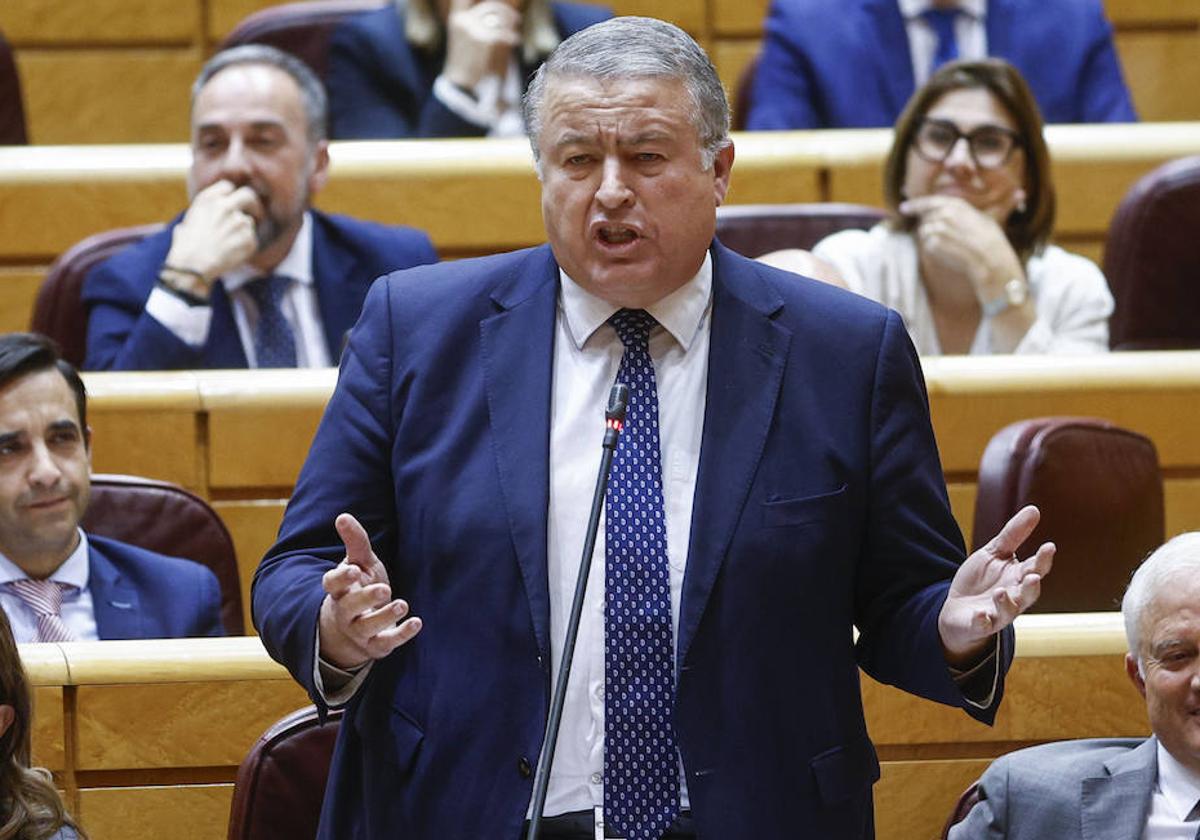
(360, 620)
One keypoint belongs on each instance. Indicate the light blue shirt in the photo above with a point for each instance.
(78, 612)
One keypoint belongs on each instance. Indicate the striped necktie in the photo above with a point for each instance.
(44, 597)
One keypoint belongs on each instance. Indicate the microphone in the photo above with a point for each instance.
(614, 424)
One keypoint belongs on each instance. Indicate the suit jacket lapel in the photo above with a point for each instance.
(332, 264)
(746, 359)
(884, 25)
(115, 602)
(1115, 806)
(518, 350)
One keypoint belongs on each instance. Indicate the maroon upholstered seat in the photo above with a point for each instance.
(12, 108)
(966, 801)
(745, 93)
(58, 311)
(163, 517)
(1100, 492)
(281, 783)
(1152, 261)
(302, 29)
(757, 229)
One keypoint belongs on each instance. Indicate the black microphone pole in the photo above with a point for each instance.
(614, 416)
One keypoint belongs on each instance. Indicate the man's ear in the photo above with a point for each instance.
(87, 444)
(320, 167)
(1135, 676)
(7, 716)
(722, 167)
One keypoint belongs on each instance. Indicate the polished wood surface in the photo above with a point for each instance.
(118, 71)
(154, 730)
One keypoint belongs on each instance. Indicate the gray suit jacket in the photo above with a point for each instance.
(1097, 789)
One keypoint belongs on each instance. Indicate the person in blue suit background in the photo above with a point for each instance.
(249, 275)
(855, 63)
(58, 583)
(796, 482)
(443, 68)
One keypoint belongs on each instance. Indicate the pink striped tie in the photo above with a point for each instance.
(44, 597)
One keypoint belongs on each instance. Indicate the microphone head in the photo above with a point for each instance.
(618, 401)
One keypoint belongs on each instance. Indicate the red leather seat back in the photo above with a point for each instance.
(58, 311)
(757, 229)
(1100, 492)
(281, 783)
(163, 517)
(302, 29)
(1152, 261)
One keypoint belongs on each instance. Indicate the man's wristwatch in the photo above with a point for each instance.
(171, 280)
(1016, 292)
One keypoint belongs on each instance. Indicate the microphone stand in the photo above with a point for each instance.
(614, 416)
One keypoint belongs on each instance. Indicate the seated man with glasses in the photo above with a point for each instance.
(965, 258)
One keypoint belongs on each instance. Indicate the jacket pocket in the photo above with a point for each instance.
(402, 741)
(782, 512)
(845, 771)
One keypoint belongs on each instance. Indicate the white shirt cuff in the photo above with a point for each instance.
(189, 323)
(344, 684)
(479, 109)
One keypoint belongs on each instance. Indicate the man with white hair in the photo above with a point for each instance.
(1119, 788)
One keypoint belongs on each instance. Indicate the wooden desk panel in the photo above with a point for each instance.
(913, 799)
(89, 22)
(18, 289)
(180, 812)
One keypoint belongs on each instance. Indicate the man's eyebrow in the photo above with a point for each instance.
(9, 437)
(652, 135)
(1165, 645)
(64, 425)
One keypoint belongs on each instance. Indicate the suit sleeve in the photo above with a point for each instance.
(783, 89)
(913, 545)
(1103, 95)
(121, 335)
(348, 469)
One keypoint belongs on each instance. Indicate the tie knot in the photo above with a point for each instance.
(633, 326)
(942, 21)
(44, 597)
(268, 291)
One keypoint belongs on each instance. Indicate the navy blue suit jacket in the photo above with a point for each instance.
(137, 594)
(348, 254)
(380, 87)
(819, 505)
(846, 64)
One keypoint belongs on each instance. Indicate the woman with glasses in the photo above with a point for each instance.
(965, 258)
(29, 805)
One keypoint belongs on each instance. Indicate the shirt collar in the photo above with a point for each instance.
(913, 8)
(680, 313)
(297, 264)
(1179, 785)
(73, 571)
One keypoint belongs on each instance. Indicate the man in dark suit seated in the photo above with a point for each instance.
(443, 68)
(777, 483)
(1119, 789)
(249, 275)
(855, 63)
(58, 583)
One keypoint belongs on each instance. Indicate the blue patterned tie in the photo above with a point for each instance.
(641, 776)
(942, 23)
(274, 341)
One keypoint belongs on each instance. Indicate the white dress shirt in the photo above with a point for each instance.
(1175, 803)
(970, 31)
(494, 104)
(301, 308)
(77, 611)
(587, 353)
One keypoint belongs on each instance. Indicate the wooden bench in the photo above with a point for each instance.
(145, 737)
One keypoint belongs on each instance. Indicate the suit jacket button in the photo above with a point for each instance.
(524, 767)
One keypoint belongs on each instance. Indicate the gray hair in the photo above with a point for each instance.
(1177, 555)
(312, 92)
(637, 48)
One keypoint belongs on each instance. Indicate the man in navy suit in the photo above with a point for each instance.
(797, 486)
(249, 275)
(58, 583)
(443, 68)
(854, 63)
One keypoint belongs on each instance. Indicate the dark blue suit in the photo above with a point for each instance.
(819, 504)
(380, 87)
(846, 63)
(137, 594)
(347, 255)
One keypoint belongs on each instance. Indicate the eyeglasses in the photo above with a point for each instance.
(990, 145)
